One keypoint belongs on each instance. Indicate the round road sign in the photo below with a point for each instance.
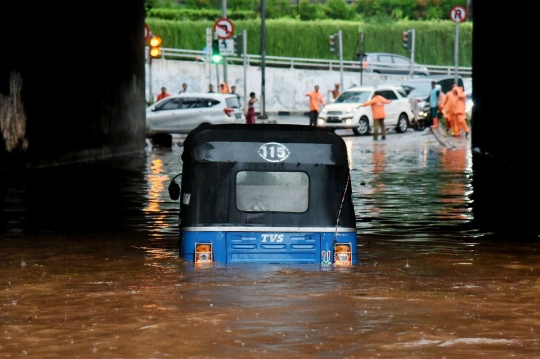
(458, 14)
(224, 28)
(146, 32)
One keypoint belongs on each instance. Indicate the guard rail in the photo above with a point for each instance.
(295, 62)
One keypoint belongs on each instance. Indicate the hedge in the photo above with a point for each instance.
(309, 39)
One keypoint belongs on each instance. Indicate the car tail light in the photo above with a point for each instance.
(203, 253)
(364, 64)
(228, 111)
(343, 254)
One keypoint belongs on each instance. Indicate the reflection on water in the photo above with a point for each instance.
(416, 189)
(89, 268)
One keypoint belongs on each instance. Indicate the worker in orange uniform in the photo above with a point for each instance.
(459, 111)
(224, 88)
(379, 113)
(335, 92)
(163, 94)
(448, 111)
(442, 111)
(315, 101)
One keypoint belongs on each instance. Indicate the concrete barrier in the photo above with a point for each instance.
(285, 88)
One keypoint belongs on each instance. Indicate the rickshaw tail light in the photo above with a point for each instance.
(203, 253)
(343, 254)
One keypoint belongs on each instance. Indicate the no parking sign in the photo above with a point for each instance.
(458, 14)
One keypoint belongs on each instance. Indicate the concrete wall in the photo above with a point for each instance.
(285, 88)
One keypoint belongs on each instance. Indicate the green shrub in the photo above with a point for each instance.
(309, 39)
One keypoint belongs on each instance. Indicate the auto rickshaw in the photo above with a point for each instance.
(266, 193)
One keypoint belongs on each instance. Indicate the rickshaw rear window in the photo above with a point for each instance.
(259, 191)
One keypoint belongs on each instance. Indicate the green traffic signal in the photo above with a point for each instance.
(216, 56)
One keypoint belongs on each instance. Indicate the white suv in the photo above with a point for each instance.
(346, 112)
(182, 113)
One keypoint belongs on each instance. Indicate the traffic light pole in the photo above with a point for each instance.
(244, 55)
(224, 15)
(217, 76)
(263, 59)
(150, 96)
(456, 53)
(209, 53)
(340, 40)
(412, 45)
(361, 57)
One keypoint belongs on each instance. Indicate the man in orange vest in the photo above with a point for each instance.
(459, 111)
(448, 110)
(315, 101)
(163, 94)
(379, 113)
(224, 88)
(335, 92)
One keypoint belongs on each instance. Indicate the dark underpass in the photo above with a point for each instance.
(72, 88)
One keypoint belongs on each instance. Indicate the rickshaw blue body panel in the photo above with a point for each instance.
(266, 193)
(269, 246)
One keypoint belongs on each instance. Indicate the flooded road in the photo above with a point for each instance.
(89, 268)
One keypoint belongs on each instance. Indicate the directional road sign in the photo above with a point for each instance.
(226, 47)
(224, 28)
(458, 14)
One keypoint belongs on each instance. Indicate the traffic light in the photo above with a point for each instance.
(407, 39)
(332, 42)
(239, 45)
(216, 56)
(155, 47)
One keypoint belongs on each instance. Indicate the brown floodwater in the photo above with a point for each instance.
(89, 268)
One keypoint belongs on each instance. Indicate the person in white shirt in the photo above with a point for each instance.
(184, 88)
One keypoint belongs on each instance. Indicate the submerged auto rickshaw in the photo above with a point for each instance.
(265, 193)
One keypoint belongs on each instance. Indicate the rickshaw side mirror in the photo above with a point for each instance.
(174, 190)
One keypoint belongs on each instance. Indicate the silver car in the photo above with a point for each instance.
(394, 64)
(183, 112)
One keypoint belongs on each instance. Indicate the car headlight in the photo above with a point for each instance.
(349, 110)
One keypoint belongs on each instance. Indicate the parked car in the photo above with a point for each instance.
(346, 112)
(386, 63)
(468, 92)
(182, 113)
(418, 90)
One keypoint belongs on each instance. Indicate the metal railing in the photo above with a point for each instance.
(299, 63)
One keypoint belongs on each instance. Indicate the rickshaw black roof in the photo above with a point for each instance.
(262, 133)
(214, 155)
